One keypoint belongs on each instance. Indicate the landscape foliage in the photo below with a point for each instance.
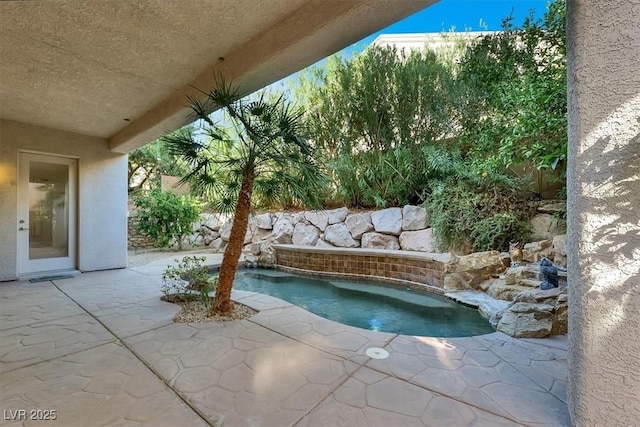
(445, 128)
(165, 216)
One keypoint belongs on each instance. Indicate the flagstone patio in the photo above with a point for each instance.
(102, 349)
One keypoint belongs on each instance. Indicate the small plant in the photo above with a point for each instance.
(182, 281)
(166, 217)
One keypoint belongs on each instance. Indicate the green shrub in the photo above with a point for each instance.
(466, 216)
(166, 217)
(189, 276)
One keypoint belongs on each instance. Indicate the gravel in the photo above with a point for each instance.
(195, 311)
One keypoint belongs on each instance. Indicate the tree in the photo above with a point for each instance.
(377, 116)
(147, 163)
(166, 217)
(516, 104)
(256, 152)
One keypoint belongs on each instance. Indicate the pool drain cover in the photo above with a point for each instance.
(377, 353)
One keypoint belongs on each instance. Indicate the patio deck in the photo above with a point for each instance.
(101, 349)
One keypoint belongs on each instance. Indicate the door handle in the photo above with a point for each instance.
(23, 228)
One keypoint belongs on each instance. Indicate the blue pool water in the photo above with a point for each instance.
(368, 305)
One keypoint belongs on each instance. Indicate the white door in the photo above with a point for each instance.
(46, 213)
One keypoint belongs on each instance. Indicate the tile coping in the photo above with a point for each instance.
(420, 256)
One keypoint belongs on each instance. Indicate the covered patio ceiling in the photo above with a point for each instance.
(122, 69)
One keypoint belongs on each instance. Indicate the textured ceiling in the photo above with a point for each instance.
(122, 69)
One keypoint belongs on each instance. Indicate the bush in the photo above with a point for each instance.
(189, 276)
(166, 217)
(465, 216)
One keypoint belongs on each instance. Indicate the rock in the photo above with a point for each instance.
(264, 221)
(253, 248)
(337, 215)
(506, 259)
(297, 218)
(500, 290)
(421, 241)
(373, 240)
(282, 230)
(561, 319)
(339, 235)
(453, 282)
(538, 296)
(317, 218)
(560, 250)
(559, 244)
(210, 221)
(475, 268)
(217, 245)
(305, 234)
(545, 226)
(225, 232)
(535, 251)
(388, 221)
(414, 218)
(322, 244)
(260, 234)
(358, 224)
(525, 320)
(553, 207)
(537, 246)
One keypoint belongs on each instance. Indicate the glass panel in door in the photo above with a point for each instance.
(48, 210)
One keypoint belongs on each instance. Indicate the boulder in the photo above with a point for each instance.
(525, 320)
(500, 290)
(260, 234)
(305, 234)
(453, 282)
(210, 221)
(388, 221)
(560, 250)
(414, 218)
(225, 232)
(317, 218)
(540, 296)
(535, 251)
(375, 240)
(553, 207)
(559, 244)
(545, 226)
(358, 224)
(337, 215)
(297, 218)
(282, 230)
(322, 244)
(475, 268)
(421, 241)
(264, 221)
(217, 245)
(338, 235)
(561, 319)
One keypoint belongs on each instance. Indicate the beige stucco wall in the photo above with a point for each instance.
(102, 194)
(603, 243)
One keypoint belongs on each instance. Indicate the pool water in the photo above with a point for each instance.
(368, 305)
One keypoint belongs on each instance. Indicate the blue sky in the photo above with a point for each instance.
(461, 15)
(448, 15)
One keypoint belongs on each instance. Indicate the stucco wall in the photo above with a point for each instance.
(102, 194)
(603, 212)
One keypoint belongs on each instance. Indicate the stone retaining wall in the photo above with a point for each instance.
(401, 267)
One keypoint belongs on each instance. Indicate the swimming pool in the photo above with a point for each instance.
(368, 305)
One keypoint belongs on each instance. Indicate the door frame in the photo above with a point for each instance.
(24, 265)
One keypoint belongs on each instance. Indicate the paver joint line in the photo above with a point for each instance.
(137, 356)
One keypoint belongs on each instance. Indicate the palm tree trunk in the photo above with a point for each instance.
(222, 301)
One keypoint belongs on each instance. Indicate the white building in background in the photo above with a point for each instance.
(435, 41)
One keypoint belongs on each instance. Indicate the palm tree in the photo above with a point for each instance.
(256, 152)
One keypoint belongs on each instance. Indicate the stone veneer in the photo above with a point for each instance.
(425, 270)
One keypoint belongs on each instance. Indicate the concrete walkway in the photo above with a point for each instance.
(101, 350)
